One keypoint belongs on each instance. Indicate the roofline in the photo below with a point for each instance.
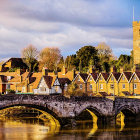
(91, 76)
(113, 76)
(121, 75)
(76, 77)
(133, 75)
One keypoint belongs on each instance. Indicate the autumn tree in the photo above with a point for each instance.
(49, 57)
(104, 52)
(29, 56)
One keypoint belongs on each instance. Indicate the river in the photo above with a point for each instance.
(35, 129)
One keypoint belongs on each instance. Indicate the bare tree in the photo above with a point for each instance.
(29, 56)
(49, 57)
(104, 52)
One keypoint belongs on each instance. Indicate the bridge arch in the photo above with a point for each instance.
(91, 113)
(129, 112)
(55, 120)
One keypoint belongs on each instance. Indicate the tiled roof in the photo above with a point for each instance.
(116, 75)
(17, 62)
(103, 94)
(68, 75)
(138, 74)
(35, 79)
(128, 75)
(126, 93)
(63, 81)
(48, 80)
(105, 75)
(84, 76)
(95, 76)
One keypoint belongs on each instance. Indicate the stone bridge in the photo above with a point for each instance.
(64, 109)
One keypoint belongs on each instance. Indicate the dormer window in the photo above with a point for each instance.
(78, 79)
(101, 78)
(123, 78)
(90, 78)
(112, 78)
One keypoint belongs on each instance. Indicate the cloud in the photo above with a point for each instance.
(66, 24)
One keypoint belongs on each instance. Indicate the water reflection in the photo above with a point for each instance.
(26, 128)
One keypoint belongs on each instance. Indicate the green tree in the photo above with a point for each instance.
(85, 54)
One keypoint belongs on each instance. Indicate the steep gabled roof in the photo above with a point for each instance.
(105, 76)
(16, 62)
(138, 75)
(64, 81)
(115, 74)
(127, 75)
(83, 76)
(94, 76)
(48, 80)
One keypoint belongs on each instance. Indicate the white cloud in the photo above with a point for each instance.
(66, 24)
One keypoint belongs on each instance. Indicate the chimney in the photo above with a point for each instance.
(64, 70)
(113, 69)
(91, 69)
(135, 68)
(18, 71)
(44, 71)
(121, 70)
(73, 74)
(20, 78)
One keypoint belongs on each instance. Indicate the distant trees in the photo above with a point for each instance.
(101, 57)
(125, 61)
(49, 57)
(29, 56)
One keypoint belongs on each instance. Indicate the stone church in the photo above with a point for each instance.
(136, 42)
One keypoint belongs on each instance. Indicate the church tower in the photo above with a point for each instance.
(136, 42)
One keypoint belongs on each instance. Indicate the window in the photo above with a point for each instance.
(8, 86)
(123, 86)
(81, 86)
(139, 31)
(112, 78)
(9, 78)
(123, 78)
(111, 86)
(135, 86)
(101, 86)
(101, 78)
(42, 89)
(78, 78)
(90, 78)
(135, 78)
(90, 86)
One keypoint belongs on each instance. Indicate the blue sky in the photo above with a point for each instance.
(67, 24)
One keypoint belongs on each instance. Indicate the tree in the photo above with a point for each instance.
(104, 52)
(72, 62)
(125, 61)
(85, 54)
(61, 63)
(29, 56)
(49, 57)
